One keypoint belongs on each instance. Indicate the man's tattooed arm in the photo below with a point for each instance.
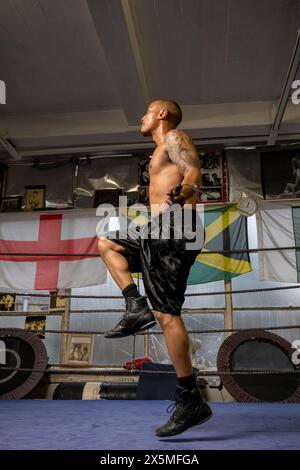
(181, 150)
(184, 154)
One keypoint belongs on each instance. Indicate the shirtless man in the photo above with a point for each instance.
(165, 264)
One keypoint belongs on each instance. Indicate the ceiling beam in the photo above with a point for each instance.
(131, 141)
(84, 132)
(10, 149)
(115, 29)
(136, 48)
(292, 70)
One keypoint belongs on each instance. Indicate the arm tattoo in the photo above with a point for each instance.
(181, 150)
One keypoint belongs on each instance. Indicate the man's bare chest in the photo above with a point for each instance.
(159, 162)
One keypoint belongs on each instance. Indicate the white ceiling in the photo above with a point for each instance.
(80, 73)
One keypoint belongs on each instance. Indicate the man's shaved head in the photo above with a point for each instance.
(175, 113)
(161, 111)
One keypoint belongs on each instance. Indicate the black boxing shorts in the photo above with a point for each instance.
(163, 251)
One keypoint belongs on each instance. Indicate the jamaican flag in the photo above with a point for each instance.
(225, 229)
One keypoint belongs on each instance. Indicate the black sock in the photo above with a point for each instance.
(131, 291)
(188, 382)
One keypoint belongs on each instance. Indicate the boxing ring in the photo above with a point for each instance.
(123, 425)
(123, 419)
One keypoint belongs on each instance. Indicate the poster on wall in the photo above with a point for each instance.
(281, 174)
(80, 349)
(213, 177)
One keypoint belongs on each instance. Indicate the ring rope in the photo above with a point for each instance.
(210, 252)
(111, 297)
(126, 372)
(185, 311)
(143, 333)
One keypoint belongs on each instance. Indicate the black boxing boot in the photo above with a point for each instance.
(190, 409)
(138, 317)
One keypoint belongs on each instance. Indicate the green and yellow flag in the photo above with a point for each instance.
(225, 229)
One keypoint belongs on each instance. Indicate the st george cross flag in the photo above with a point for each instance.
(60, 233)
(278, 225)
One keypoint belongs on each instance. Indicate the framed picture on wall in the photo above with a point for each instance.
(280, 171)
(35, 197)
(213, 187)
(7, 302)
(11, 203)
(80, 349)
(57, 300)
(36, 324)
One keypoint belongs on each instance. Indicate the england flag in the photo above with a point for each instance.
(38, 250)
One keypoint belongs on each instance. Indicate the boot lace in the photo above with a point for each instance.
(176, 404)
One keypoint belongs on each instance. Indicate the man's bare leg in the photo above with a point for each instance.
(191, 409)
(117, 264)
(178, 344)
(138, 316)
